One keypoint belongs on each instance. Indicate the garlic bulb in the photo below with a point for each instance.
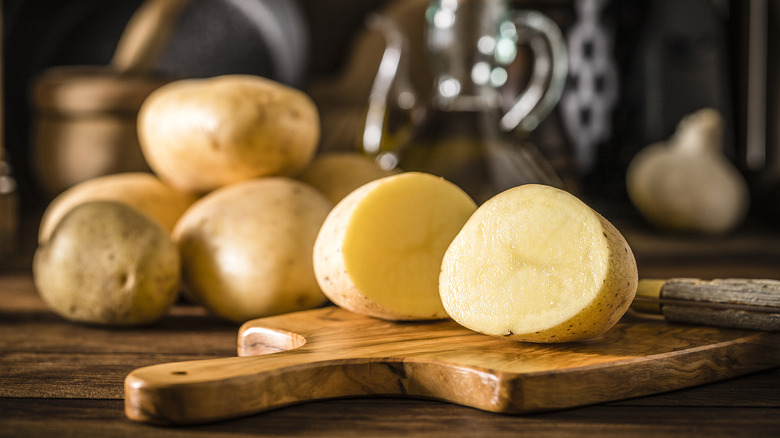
(686, 183)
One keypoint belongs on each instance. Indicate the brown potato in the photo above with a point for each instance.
(143, 191)
(108, 263)
(200, 134)
(247, 248)
(337, 174)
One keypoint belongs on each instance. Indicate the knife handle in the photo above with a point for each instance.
(738, 303)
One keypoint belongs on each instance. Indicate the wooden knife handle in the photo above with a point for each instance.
(739, 303)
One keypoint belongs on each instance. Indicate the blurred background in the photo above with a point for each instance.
(654, 63)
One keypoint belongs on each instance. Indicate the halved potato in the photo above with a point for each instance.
(379, 252)
(534, 263)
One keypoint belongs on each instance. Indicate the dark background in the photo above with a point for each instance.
(680, 54)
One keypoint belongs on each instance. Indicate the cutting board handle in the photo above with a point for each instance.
(211, 390)
(217, 389)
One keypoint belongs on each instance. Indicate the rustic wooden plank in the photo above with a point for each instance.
(61, 371)
(43, 355)
(382, 417)
(761, 389)
(746, 406)
(176, 334)
(74, 375)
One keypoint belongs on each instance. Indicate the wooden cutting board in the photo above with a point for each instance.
(330, 352)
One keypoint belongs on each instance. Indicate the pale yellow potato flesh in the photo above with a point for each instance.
(379, 252)
(536, 264)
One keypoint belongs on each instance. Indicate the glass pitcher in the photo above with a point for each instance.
(468, 133)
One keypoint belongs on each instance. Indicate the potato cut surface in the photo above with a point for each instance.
(537, 264)
(380, 250)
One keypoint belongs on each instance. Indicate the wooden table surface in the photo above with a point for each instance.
(62, 379)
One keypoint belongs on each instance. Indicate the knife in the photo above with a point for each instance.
(737, 303)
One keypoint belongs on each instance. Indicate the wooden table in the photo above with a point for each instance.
(62, 379)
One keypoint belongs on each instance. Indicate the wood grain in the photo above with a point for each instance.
(43, 355)
(394, 417)
(331, 353)
(761, 295)
(92, 404)
(750, 291)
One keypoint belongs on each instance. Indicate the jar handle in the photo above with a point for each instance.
(391, 83)
(548, 77)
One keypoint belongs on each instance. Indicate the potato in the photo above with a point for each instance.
(108, 263)
(143, 191)
(380, 250)
(247, 248)
(337, 174)
(200, 134)
(534, 263)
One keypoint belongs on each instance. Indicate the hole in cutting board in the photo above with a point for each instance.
(261, 340)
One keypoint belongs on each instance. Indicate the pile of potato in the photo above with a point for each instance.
(224, 152)
(243, 218)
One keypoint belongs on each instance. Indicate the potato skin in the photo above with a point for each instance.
(141, 190)
(330, 268)
(247, 248)
(201, 134)
(108, 263)
(614, 297)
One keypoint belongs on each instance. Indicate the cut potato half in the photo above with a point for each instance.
(536, 264)
(379, 252)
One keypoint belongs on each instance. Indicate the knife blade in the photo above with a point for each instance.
(732, 302)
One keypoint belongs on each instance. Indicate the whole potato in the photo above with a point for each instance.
(108, 263)
(247, 248)
(200, 134)
(143, 191)
(337, 174)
